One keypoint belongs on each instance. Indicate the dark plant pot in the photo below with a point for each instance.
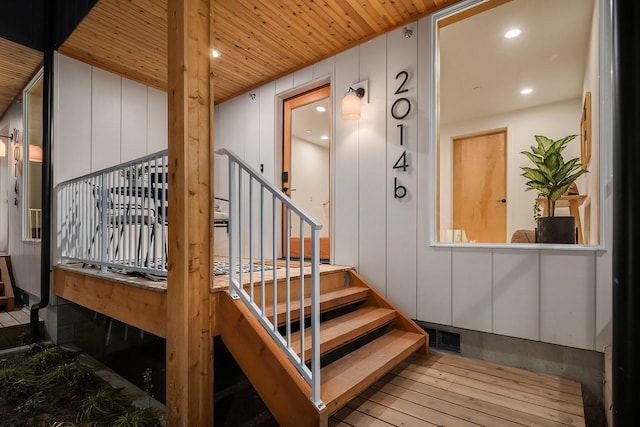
(556, 229)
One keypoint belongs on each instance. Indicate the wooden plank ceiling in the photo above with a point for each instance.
(259, 40)
(18, 64)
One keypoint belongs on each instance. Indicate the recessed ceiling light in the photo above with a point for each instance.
(320, 109)
(526, 91)
(512, 33)
(308, 131)
(215, 53)
(324, 137)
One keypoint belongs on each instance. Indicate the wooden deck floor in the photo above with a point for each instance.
(449, 390)
(15, 328)
(221, 282)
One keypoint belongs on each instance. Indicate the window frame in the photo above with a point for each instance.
(605, 134)
(26, 235)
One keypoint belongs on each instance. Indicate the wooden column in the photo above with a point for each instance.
(190, 243)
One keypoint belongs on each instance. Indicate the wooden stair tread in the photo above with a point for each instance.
(341, 330)
(347, 377)
(328, 301)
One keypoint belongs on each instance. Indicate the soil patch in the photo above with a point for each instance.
(46, 386)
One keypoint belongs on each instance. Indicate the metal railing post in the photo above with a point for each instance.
(315, 318)
(233, 224)
(104, 229)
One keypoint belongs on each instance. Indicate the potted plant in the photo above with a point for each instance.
(551, 177)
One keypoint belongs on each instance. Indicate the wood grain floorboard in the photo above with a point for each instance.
(449, 390)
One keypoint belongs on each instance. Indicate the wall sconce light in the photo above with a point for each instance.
(352, 101)
(35, 153)
(3, 145)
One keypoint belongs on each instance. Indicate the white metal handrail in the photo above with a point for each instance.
(117, 217)
(244, 231)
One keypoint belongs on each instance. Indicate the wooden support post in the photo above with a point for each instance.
(190, 97)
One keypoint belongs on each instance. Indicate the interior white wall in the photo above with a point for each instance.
(309, 183)
(25, 255)
(537, 294)
(555, 120)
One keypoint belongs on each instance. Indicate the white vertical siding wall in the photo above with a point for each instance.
(133, 120)
(551, 296)
(101, 119)
(346, 173)
(402, 55)
(106, 112)
(372, 168)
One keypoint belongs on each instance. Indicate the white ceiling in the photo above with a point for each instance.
(482, 73)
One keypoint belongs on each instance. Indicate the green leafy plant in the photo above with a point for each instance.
(134, 172)
(551, 176)
(48, 359)
(140, 418)
(537, 211)
(15, 384)
(72, 374)
(32, 406)
(110, 401)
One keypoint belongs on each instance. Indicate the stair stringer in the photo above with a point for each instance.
(279, 384)
(376, 299)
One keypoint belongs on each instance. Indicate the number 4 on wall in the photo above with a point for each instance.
(401, 163)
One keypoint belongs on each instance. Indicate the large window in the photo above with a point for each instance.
(506, 71)
(32, 160)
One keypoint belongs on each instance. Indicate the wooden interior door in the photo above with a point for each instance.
(480, 187)
(290, 183)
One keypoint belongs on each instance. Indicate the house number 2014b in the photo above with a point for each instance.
(400, 109)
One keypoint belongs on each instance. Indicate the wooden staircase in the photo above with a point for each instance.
(6, 285)
(363, 336)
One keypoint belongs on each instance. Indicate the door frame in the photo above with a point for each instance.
(280, 99)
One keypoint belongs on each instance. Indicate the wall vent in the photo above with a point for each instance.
(443, 340)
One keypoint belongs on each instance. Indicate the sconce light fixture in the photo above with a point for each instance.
(3, 145)
(351, 104)
(35, 153)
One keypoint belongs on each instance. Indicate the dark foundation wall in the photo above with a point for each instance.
(99, 335)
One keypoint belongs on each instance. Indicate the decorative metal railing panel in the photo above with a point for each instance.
(117, 217)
